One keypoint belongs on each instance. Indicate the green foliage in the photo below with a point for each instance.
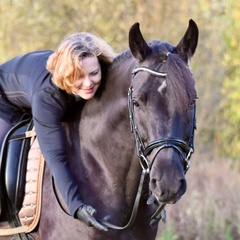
(231, 86)
(168, 234)
(209, 74)
(28, 25)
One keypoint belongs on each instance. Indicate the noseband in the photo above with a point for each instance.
(142, 152)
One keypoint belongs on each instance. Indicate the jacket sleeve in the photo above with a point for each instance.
(48, 110)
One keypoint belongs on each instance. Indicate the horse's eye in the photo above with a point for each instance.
(135, 103)
(193, 102)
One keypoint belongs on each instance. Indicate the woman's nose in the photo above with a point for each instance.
(87, 82)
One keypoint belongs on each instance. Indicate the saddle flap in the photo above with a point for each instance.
(15, 170)
(14, 161)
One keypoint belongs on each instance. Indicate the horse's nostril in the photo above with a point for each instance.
(156, 187)
(154, 183)
(183, 185)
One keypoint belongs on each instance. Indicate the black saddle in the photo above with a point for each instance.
(13, 162)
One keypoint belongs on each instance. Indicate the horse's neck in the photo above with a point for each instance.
(119, 79)
(102, 139)
(104, 123)
(111, 99)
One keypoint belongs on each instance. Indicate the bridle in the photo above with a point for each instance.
(142, 152)
(168, 142)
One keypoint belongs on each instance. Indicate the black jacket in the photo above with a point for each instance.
(26, 86)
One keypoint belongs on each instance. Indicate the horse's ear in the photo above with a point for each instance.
(188, 44)
(137, 44)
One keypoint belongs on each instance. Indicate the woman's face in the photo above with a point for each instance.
(87, 86)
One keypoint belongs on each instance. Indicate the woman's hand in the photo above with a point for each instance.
(85, 213)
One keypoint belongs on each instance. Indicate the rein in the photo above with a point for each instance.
(142, 152)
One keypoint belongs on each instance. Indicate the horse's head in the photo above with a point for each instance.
(162, 110)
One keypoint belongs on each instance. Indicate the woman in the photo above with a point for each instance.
(47, 84)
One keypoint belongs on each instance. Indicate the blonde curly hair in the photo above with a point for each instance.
(65, 64)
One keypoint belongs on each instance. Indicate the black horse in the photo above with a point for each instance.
(134, 139)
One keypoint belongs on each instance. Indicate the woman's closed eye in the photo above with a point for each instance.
(94, 73)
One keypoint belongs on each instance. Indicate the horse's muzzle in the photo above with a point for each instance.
(167, 178)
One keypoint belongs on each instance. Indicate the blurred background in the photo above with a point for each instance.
(210, 209)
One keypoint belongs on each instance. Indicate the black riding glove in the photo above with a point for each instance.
(85, 213)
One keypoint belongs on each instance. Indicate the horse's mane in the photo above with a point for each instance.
(123, 56)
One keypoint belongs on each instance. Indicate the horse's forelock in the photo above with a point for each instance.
(180, 83)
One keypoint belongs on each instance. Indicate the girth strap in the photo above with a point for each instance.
(13, 231)
(24, 135)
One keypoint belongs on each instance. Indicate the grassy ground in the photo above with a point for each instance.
(210, 209)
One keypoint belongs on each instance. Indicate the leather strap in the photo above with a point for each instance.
(13, 231)
(135, 207)
(24, 135)
(110, 225)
